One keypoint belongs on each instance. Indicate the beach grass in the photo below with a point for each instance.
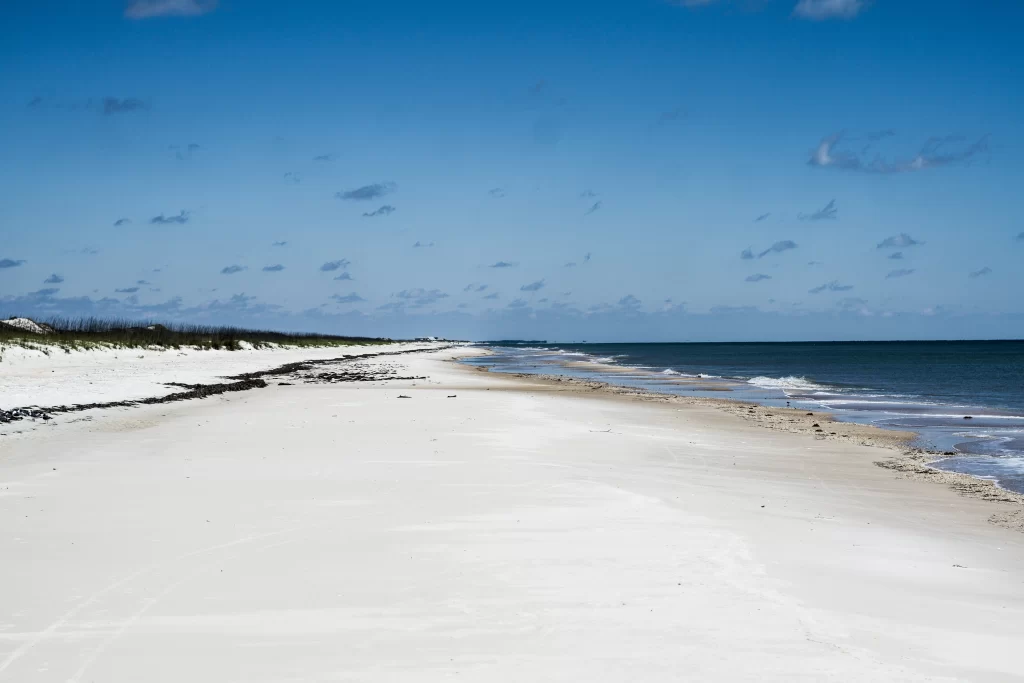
(90, 333)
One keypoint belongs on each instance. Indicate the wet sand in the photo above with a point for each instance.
(898, 454)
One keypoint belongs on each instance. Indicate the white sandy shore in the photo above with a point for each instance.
(59, 377)
(513, 533)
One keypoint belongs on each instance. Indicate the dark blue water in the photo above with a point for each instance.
(925, 387)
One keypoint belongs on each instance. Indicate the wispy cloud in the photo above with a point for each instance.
(630, 302)
(127, 290)
(279, 244)
(422, 245)
(492, 296)
(385, 210)
(276, 268)
(1020, 237)
(671, 115)
(11, 263)
(105, 105)
(142, 282)
(586, 257)
(496, 192)
(829, 212)
(936, 151)
(533, 286)
(38, 296)
(896, 256)
(343, 276)
(833, 286)
(670, 306)
(691, 3)
(115, 105)
(757, 277)
(762, 217)
(122, 221)
(293, 177)
(334, 265)
(899, 272)
(813, 10)
(421, 297)
(148, 9)
(367, 192)
(778, 247)
(231, 270)
(587, 194)
(352, 298)
(851, 303)
(53, 280)
(820, 10)
(595, 207)
(979, 273)
(503, 264)
(900, 241)
(323, 157)
(473, 287)
(239, 304)
(180, 219)
(185, 153)
(570, 264)
(747, 254)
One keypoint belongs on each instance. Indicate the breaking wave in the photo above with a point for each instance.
(786, 383)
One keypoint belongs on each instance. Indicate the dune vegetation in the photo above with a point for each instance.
(83, 333)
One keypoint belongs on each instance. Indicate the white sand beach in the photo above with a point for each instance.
(48, 375)
(486, 528)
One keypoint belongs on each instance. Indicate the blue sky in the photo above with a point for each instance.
(155, 152)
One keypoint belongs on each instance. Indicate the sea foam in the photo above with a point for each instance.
(785, 383)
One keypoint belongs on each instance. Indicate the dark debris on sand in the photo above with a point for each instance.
(193, 391)
(305, 372)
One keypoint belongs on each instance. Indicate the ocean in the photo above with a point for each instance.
(924, 387)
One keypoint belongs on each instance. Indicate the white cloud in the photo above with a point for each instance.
(420, 296)
(815, 10)
(147, 9)
(820, 10)
(900, 241)
(942, 150)
(533, 286)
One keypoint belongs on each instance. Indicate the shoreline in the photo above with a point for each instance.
(973, 417)
(485, 527)
(904, 460)
(901, 457)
